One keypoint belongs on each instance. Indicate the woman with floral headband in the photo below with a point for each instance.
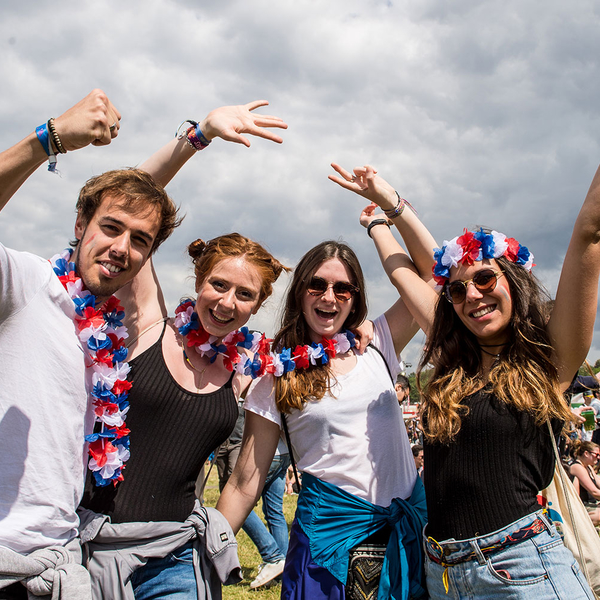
(359, 481)
(501, 365)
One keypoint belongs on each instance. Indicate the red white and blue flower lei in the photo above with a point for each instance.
(101, 333)
(474, 246)
(264, 360)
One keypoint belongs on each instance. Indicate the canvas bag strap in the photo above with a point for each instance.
(562, 478)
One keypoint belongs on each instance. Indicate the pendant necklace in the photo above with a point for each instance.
(483, 347)
(201, 371)
(496, 356)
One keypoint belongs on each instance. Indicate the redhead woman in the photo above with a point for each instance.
(359, 482)
(586, 479)
(500, 368)
(147, 535)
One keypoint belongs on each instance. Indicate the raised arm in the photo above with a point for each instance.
(418, 298)
(145, 308)
(410, 278)
(571, 325)
(94, 120)
(230, 123)
(366, 183)
(144, 297)
(245, 485)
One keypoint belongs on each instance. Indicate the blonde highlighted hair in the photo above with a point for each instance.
(525, 376)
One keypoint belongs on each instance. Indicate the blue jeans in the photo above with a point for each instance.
(169, 577)
(537, 568)
(272, 544)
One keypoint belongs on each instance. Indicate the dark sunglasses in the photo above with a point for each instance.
(342, 290)
(484, 281)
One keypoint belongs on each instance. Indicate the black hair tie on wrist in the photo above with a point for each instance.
(374, 223)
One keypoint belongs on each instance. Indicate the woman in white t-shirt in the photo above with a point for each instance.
(347, 434)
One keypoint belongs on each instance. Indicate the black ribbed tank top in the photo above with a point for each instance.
(173, 432)
(491, 473)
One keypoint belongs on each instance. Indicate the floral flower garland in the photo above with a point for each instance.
(264, 360)
(474, 246)
(101, 333)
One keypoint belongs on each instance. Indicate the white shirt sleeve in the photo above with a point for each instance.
(22, 275)
(261, 399)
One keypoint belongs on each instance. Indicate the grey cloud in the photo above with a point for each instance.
(479, 113)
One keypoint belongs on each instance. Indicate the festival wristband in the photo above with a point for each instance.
(193, 135)
(42, 135)
(374, 223)
(397, 210)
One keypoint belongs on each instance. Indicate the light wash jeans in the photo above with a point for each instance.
(272, 545)
(170, 577)
(537, 568)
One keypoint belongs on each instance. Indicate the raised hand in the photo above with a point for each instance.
(365, 182)
(364, 334)
(368, 214)
(230, 122)
(93, 120)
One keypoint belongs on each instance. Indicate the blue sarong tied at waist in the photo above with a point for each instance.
(335, 522)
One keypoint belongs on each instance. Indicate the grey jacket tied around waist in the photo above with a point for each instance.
(115, 550)
(54, 572)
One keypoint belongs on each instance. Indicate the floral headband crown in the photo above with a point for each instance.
(474, 246)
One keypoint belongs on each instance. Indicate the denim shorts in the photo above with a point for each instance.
(170, 577)
(537, 568)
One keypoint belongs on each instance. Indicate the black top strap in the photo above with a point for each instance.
(384, 360)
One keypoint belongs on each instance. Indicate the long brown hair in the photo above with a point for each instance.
(205, 255)
(525, 376)
(294, 388)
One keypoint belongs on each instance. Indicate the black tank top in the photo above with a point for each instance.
(583, 493)
(490, 474)
(173, 432)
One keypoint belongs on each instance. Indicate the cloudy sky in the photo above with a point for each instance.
(477, 112)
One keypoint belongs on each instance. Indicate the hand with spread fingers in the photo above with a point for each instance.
(230, 122)
(365, 182)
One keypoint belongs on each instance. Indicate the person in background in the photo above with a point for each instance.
(402, 389)
(417, 452)
(272, 543)
(585, 477)
(590, 398)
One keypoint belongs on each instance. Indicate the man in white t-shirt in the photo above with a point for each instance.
(122, 217)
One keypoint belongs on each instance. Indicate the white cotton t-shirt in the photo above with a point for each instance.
(354, 437)
(43, 406)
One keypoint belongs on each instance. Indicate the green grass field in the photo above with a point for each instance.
(249, 556)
